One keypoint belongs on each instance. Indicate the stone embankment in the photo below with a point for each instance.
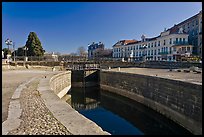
(51, 91)
(178, 100)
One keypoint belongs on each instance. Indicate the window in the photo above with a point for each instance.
(176, 40)
(137, 47)
(164, 42)
(148, 45)
(180, 39)
(155, 52)
(184, 40)
(174, 49)
(152, 44)
(196, 22)
(158, 51)
(148, 52)
(155, 44)
(183, 48)
(158, 43)
(170, 41)
(166, 49)
(188, 48)
(152, 52)
(170, 50)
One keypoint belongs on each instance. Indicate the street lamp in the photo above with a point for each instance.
(8, 43)
(144, 52)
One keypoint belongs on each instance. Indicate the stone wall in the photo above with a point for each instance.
(61, 83)
(177, 100)
(150, 64)
(87, 78)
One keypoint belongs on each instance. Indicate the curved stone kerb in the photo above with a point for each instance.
(75, 123)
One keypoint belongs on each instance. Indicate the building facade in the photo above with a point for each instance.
(97, 50)
(193, 26)
(167, 46)
(94, 48)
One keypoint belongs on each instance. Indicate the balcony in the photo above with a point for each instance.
(142, 47)
(163, 53)
(181, 52)
(180, 43)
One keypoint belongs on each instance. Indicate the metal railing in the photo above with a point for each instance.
(180, 43)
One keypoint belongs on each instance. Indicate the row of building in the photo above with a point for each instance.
(183, 39)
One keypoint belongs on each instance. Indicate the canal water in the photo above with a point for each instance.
(119, 115)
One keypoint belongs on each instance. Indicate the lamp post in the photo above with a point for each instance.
(8, 43)
(144, 52)
(14, 55)
(25, 49)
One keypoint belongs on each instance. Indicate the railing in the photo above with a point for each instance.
(180, 43)
(181, 52)
(163, 53)
(83, 66)
(142, 47)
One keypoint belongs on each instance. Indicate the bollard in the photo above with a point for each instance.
(118, 68)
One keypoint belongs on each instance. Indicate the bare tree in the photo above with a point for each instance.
(73, 54)
(81, 51)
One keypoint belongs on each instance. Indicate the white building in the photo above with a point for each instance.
(50, 56)
(162, 47)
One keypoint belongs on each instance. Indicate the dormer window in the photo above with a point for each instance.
(143, 38)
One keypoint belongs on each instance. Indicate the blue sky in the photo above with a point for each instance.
(65, 26)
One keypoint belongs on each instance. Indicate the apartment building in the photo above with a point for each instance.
(94, 48)
(193, 26)
(170, 45)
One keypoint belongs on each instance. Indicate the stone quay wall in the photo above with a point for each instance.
(61, 83)
(150, 64)
(177, 100)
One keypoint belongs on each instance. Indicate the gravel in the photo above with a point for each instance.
(36, 118)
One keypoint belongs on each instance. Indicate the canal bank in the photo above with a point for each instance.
(51, 91)
(177, 100)
(168, 97)
(120, 115)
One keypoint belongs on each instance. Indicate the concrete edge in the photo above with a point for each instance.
(64, 91)
(75, 122)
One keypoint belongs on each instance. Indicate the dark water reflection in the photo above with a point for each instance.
(119, 115)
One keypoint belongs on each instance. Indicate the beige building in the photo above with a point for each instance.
(193, 26)
(162, 47)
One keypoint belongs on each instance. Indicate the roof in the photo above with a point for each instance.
(154, 38)
(183, 22)
(125, 42)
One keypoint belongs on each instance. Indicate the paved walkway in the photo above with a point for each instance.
(31, 108)
(27, 113)
(10, 81)
(191, 77)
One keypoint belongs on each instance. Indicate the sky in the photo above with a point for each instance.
(65, 26)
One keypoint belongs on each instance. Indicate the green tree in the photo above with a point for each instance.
(20, 51)
(34, 45)
(6, 51)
